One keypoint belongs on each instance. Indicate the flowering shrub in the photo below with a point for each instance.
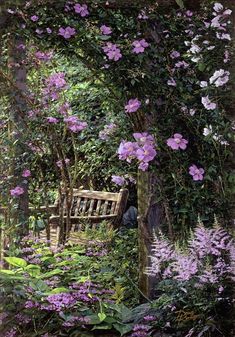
(196, 283)
(67, 290)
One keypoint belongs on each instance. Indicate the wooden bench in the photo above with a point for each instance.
(87, 207)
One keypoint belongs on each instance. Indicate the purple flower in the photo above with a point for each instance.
(74, 124)
(139, 46)
(67, 32)
(57, 81)
(34, 18)
(143, 138)
(48, 30)
(118, 180)
(26, 173)
(196, 173)
(39, 31)
(17, 191)
(208, 104)
(143, 166)
(43, 56)
(112, 51)
(177, 142)
(171, 82)
(185, 267)
(52, 120)
(146, 153)
(133, 105)
(105, 30)
(174, 54)
(81, 9)
(127, 151)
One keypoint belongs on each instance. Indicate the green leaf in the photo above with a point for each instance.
(123, 328)
(180, 3)
(33, 270)
(59, 290)
(51, 273)
(16, 262)
(102, 316)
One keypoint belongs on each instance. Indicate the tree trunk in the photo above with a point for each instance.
(18, 109)
(150, 218)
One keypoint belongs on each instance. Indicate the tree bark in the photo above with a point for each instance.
(18, 109)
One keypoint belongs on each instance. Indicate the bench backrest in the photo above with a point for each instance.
(96, 203)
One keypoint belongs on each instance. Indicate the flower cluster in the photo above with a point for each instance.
(143, 150)
(67, 32)
(119, 180)
(74, 124)
(17, 191)
(112, 51)
(208, 259)
(55, 84)
(139, 46)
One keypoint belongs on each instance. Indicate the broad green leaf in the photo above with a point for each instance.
(16, 262)
(59, 290)
(33, 270)
(123, 328)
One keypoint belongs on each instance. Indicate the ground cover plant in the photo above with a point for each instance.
(104, 95)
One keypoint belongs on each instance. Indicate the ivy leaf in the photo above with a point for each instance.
(180, 3)
(101, 316)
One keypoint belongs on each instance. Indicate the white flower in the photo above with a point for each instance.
(195, 49)
(220, 77)
(203, 84)
(218, 7)
(215, 21)
(227, 12)
(223, 36)
(192, 112)
(207, 131)
(208, 104)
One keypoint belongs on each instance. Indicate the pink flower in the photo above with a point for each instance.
(74, 124)
(143, 138)
(34, 18)
(81, 9)
(146, 153)
(43, 56)
(59, 163)
(177, 142)
(105, 30)
(17, 191)
(171, 82)
(139, 46)
(220, 77)
(118, 180)
(112, 51)
(196, 173)
(127, 151)
(133, 105)
(26, 173)
(67, 32)
(49, 31)
(52, 120)
(143, 166)
(174, 54)
(208, 104)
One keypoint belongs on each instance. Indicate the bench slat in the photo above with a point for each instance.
(105, 207)
(90, 211)
(77, 207)
(113, 207)
(97, 211)
(84, 206)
